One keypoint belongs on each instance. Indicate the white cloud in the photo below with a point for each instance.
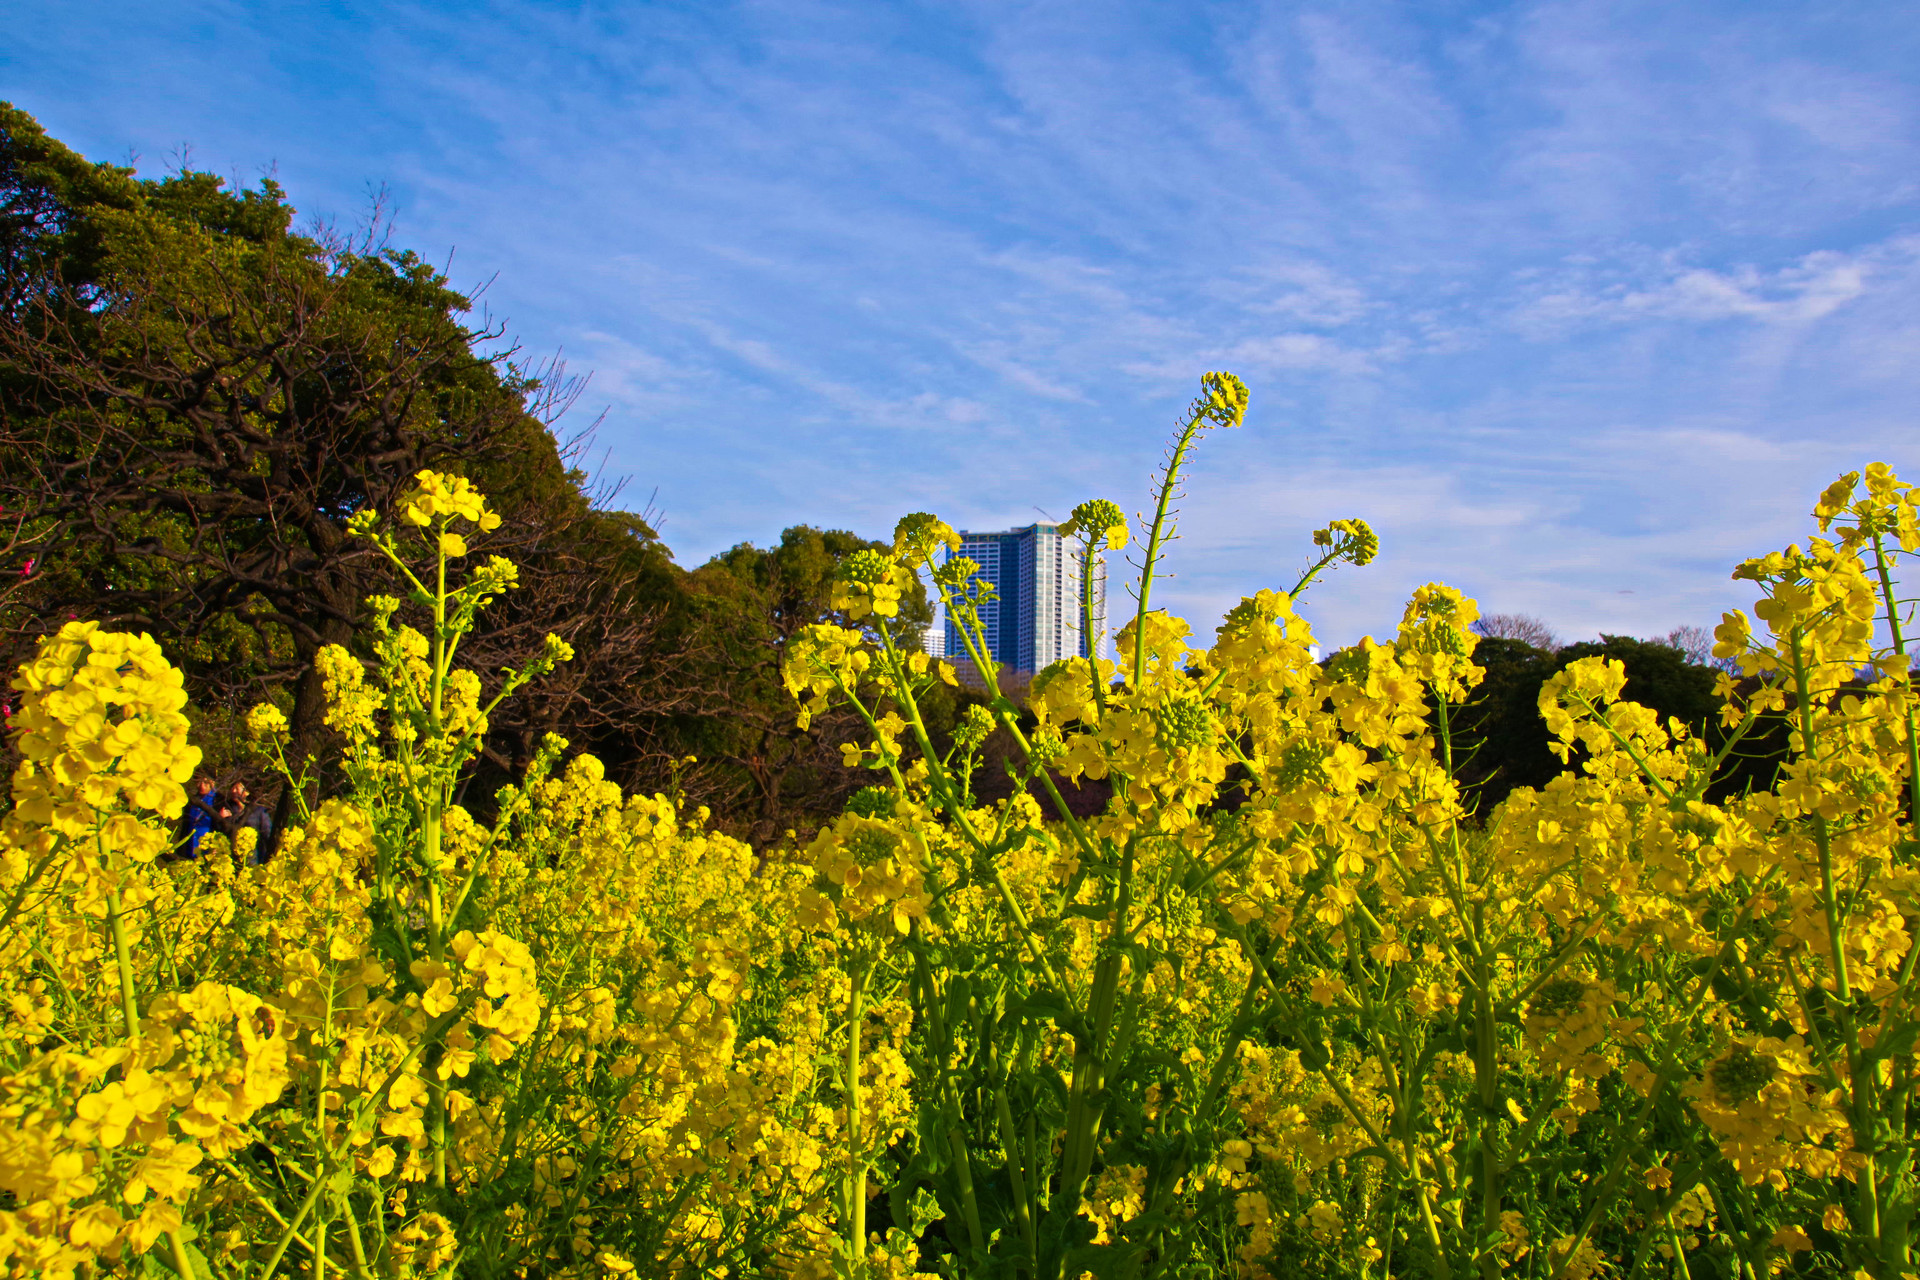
(1796, 293)
(1574, 298)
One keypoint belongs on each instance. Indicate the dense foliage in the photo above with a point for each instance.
(195, 398)
(1282, 1007)
(1500, 741)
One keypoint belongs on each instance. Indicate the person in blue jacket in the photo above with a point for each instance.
(201, 817)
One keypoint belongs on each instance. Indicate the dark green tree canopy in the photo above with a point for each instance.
(1503, 741)
(194, 398)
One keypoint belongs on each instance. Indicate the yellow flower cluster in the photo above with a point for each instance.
(1370, 995)
(330, 1057)
(101, 730)
(1283, 1005)
(437, 498)
(871, 584)
(868, 870)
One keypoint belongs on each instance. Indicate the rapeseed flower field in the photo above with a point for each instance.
(1284, 1008)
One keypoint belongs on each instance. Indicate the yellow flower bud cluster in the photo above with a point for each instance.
(1351, 540)
(1438, 628)
(1888, 510)
(821, 664)
(870, 584)
(1222, 401)
(267, 723)
(1099, 522)
(100, 730)
(919, 538)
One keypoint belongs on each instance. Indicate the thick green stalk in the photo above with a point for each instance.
(1859, 1068)
(1089, 566)
(1679, 1253)
(856, 1184)
(292, 1228)
(1486, 1071)
(182, 1260)
(1016, 1177)
(130, 1023)
(1486, 1063)
(1632, 1137)
(123, 959)
(1086, 1102)
(963, 1170)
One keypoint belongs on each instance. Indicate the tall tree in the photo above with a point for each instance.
(754, 601)
(194, 398)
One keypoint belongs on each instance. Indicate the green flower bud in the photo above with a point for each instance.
(975, 724)
(866, 567)
(1098, 519)
(1186, 725)
(872, 802)
(1351, 540)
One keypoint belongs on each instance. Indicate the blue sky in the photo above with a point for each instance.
(1577, 303)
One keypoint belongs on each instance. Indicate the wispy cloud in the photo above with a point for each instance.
(1578, 301)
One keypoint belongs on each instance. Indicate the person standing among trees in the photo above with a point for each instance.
(203, 814)
(245, 813)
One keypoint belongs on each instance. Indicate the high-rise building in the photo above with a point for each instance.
(1036, 619)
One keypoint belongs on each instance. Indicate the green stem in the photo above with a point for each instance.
(1089, 566)
(1096, 1050)
(1016, 1176)
(1155, 536)
(1630, 1138)
(182, 1260)
(18, 902)
(1885, 574)
(904, 695)
(856, 1162)
(123, 957)
(963, 1170)
(299, 1216)
(1679, 1253)
(1486, 1070)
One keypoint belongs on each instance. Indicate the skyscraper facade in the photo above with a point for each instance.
(1036, 619)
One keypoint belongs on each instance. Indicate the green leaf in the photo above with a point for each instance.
(1899, 1042)
(1044, 1005)
(1106, 1261)
(924, 1211)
